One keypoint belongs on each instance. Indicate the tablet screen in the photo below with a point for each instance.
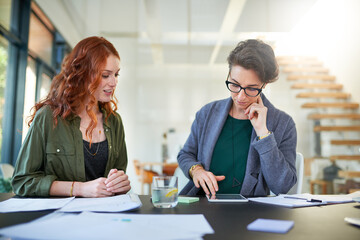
(226, 198)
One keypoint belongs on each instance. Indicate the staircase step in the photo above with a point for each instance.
(305, 69)
(349, 174)
(346, 142)
(323, 77)
(323, 95)
(303, 62)
(300, 58)
(337, 128)
(318, 116)
(317, 85)
(345, 105)
(345, 157)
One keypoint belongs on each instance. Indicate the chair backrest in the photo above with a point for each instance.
(182, 179)
(137, 167)
(299, 164)
(6, 170)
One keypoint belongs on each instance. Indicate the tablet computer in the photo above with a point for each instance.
(227, 198)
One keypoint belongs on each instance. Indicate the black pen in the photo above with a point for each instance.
(307, 199)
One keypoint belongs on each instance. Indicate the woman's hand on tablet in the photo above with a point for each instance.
(207, 180)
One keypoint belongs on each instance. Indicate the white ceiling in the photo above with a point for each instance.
(190, 32)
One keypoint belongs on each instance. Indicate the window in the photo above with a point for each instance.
(40, 39)
(5, 13)
(30, 90)
(44, 86)
(3, 64)
(25, 77)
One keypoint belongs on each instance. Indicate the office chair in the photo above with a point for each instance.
(145, 176)
(182, 179)
(6, 170)
(299, 164)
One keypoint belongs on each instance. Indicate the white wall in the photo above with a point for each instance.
(153, 99)
(331, 31)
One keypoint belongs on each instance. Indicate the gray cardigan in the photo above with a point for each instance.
(270, 163)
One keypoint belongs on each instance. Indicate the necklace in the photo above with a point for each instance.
(88, 150)
(98, 137)
(235, 182)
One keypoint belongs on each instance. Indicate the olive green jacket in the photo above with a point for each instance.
(52, 153)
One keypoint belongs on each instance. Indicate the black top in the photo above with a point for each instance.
(95, 159)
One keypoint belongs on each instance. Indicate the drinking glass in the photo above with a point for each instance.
(164, 191)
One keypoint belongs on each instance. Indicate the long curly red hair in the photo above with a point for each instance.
(80, 76)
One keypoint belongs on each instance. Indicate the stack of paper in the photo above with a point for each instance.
(303, 200)
(285, 202)
(326, 198)
(118, 203)
(89, 225)
(270, 225)
(109, 204)
(33, 204)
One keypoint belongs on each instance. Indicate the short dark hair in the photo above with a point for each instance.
(258, 56)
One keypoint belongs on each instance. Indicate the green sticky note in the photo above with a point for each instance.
(188, 199)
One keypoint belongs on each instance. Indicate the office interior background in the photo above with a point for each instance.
(173, 61)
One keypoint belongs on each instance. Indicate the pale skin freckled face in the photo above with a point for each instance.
(109, 80)
(245, 78)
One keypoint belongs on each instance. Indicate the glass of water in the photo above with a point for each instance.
(164, 191)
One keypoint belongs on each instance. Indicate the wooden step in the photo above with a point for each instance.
(346, 142)
(323, 95)
(322, 77)
(337, 128)
(305, 69)
(318, 116)
(317, 86)
(303, 62)
(300, 58)
(346, 105)
(349, 174)
(345, 157)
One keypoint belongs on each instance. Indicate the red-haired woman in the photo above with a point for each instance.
(75, 145)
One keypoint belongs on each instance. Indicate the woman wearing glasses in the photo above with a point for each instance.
(242, 144)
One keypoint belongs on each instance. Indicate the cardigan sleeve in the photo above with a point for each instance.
(277, 156)
(188, 155)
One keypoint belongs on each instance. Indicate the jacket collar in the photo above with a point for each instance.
(75, 119)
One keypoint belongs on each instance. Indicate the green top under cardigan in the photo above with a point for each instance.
(230, 154)
(56, 153)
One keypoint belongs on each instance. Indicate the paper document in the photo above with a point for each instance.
(303, 200)
(89, 225)
(326, 198)
(285, 202)
(32, 204)
(118, 203)
(270, 225)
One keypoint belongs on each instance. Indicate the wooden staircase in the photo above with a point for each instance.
(339, 95)
(319, 116)
(329, 103)
(322, 77)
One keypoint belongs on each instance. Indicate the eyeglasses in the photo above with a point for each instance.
(236, 88)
